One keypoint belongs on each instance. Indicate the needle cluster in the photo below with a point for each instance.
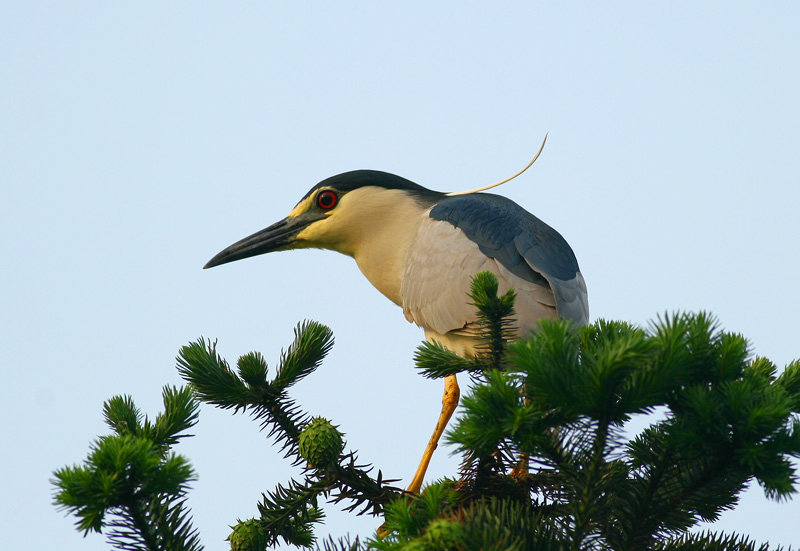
(131, 485)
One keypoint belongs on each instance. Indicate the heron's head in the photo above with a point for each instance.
(338, 214)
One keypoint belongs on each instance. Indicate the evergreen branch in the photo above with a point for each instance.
(551, 364)
(495, 318)
(501, 524)
(155, 526)
(353, 483)
(133, 476)
(215, 382)
(673, 495)
(269, 401)
(122, 415)
(709, 541)
(181, 412)
(611, 353)
(682, 473)
(284, 420)
(641, 499)
(211, 377)
(288, 512)
(430, 521)
(342, 544)
(789, 381)
(591, 493)
(409, 516)
(490, 415)
(312, 342)
(253, 369)
(435, 361)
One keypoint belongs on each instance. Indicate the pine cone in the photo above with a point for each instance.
(248, 536)
(320, 443)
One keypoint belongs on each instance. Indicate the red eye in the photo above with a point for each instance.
(327, 200)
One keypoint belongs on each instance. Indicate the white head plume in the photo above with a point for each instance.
(484, 188)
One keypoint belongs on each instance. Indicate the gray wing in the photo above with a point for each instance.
(485, 231)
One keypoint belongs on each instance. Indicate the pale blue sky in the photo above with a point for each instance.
(138, 140)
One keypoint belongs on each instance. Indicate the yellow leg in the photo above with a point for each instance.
(520, 470)
(449, 404)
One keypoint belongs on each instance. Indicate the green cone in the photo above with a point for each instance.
(248, 536)
(320, 443)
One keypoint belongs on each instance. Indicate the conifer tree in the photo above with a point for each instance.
(132, 476)
(548, 461)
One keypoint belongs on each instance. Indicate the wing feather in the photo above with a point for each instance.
(466, 234)
(436, 293)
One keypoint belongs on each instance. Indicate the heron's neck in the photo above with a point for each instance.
(385, 235)
(382, 261)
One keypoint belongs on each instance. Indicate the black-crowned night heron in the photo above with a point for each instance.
(420, 248)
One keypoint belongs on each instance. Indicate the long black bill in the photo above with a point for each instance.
(273, 238)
